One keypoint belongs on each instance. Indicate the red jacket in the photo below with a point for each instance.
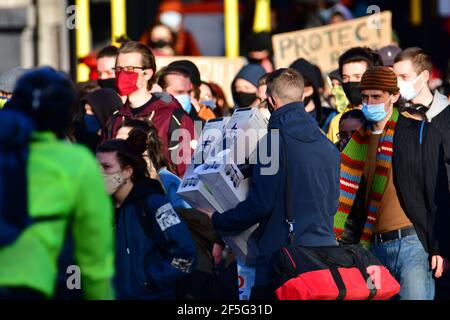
(160, 110)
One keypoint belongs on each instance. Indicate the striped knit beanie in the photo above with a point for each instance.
(379, 78)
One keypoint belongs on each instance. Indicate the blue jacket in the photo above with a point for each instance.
(148, 267)
(314, 173)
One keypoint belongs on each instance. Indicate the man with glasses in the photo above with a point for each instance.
(135, 69)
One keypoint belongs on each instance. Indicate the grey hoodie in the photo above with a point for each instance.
(440, 102)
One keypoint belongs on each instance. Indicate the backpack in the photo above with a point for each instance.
(15, 135)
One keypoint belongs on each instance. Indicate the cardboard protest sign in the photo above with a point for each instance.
(220, 70)
(323, 45)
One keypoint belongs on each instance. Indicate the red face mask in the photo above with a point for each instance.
(126, 82)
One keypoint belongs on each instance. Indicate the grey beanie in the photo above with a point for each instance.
(9, 79)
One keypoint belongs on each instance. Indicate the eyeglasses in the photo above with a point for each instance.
(128, 69)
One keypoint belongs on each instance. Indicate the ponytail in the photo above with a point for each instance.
(129, 153)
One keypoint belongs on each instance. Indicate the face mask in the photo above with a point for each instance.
(243, 99)
(254, 61)
(340, 98)
(185, 101)
(126, 83)
(160, 44)
(325, 14)
(375, 112)
(91, 123)
(209, 103)
(407, 90)
(171, 19)
(107, 83)
(352, 92)
(113, 182)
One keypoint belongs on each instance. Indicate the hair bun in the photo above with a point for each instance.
(137, 141)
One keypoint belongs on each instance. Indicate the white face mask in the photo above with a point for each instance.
(407, 90)
(113, 181)
(172, 19)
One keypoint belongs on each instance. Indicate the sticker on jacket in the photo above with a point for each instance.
(167, 217)
(184, 265)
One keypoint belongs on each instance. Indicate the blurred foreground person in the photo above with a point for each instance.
(49, 188)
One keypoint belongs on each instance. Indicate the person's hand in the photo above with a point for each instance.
(217, 253)
(437, 262)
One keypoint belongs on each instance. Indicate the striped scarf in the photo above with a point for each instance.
(352, 167)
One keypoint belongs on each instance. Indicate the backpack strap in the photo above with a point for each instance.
(110, 125)
(175, 123)
(290, 219)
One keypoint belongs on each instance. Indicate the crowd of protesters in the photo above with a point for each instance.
(369, 164)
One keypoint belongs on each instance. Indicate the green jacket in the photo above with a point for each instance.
(63, 179)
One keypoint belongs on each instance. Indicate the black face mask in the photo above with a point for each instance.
(352, 92)
(255, 61)
(107, 83)
(243, 99)
(159, 44)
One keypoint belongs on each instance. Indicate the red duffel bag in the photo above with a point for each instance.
(344, 272)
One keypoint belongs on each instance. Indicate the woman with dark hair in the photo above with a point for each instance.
(154, 248)
(206, 281)
(157, 165)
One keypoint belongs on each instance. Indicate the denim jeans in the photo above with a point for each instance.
(408, 262)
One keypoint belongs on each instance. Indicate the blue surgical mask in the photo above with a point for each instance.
(209, 103)
(185, 101)
(375, 112)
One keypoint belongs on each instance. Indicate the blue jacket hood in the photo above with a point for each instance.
(295, 122)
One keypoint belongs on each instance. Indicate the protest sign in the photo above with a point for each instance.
(323, 45)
